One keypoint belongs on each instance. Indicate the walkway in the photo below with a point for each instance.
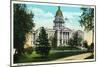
(67, 59)
(76, 57)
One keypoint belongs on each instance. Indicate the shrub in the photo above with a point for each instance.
(91, 47)
(29, 50)
(85, 44)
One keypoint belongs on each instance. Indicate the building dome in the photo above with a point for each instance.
(59, 12)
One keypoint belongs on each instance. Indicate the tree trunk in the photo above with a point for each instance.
(93, 35)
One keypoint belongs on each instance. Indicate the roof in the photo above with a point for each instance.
(67, 29)
(59, 12)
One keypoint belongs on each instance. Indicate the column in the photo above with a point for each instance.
(62, 39)
(58, 38)
(67, 37)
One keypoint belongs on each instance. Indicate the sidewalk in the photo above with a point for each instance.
(76, 57)
(65, 59)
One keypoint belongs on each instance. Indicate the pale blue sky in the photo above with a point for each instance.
(44, 15)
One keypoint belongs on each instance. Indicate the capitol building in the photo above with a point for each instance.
(63, 34)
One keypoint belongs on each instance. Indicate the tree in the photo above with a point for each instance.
(91, 47)
(75, 40)
(42, 46)
(23, 24)
(54, 40)
(85, 44)
(70, 42)
(87, 19)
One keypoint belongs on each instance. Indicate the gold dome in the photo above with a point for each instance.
(59, 12)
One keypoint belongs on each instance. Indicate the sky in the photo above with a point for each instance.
(45, 14)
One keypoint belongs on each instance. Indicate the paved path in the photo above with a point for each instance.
(76, 57)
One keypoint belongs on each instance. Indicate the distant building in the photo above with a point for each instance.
(63, 33)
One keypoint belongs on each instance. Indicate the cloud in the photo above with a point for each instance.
(48, 14)
(72, 19)
(71, 15)
(41, 13)
(42, 18)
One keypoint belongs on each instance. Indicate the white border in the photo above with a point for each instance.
(54, 4)
(89, 2)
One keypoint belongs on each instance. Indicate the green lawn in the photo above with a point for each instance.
(52, 56)
(66, 48)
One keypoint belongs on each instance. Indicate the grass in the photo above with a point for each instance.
(52, 56)
(27, 57)
(66, 48)
(57, 55)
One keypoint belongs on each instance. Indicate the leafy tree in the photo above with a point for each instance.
(75, 40)
(71, 42)
(87, 19)
(91, 47)
(54, 40)
(23, 24)
(42, 46)
(85, 44)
